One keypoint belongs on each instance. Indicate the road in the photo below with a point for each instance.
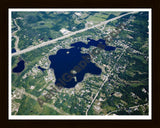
(129, 108)
(97, 93)
(106, 79)
(46, 104)
(66, 36)
(17, 38)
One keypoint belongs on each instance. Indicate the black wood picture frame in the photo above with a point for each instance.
(153, 4)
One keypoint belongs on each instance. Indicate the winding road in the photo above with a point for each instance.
(14, 35)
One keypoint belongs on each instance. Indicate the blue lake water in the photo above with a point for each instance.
(13, 50)
(20, 67)
(42, 69)
(70, 65)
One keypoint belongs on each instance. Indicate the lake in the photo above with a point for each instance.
(20, 67)
(13, 50)
(70, 65)
(42, 69)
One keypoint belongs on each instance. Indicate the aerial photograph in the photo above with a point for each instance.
(79, 63)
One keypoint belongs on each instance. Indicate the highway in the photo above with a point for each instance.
(66, 36)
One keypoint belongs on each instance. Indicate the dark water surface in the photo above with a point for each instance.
(13, 50)
(42, 69)
(70, 65)
(20, 67)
